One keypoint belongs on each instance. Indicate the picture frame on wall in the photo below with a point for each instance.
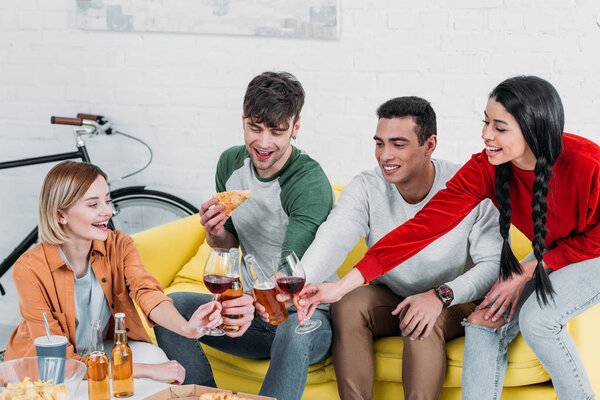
(311, 19)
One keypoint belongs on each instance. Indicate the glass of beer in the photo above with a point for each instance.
(265, 291)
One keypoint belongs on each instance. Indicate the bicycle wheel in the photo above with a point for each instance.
(138, 209)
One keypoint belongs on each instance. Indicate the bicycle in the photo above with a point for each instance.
(135, 207)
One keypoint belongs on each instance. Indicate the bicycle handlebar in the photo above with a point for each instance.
(97, 124)
(66, 121)
(96, 121)
(91, 116)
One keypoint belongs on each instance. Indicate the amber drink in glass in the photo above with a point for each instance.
(265, 291)
(235, 290)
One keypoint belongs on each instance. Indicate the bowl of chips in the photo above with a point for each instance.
(20, 379)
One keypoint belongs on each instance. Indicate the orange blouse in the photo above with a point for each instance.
(45, 284)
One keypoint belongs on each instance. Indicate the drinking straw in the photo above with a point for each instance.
(47, 327)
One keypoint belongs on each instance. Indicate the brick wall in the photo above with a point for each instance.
(182, 93)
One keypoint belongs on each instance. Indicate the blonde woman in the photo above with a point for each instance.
(82, 272)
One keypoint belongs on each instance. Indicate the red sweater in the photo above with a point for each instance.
(573, 215)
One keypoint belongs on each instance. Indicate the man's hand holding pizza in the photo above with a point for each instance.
(215, 212)
(213, 219)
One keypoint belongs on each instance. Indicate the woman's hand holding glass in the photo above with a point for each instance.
(207, 316)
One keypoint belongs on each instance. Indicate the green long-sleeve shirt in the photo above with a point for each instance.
(284, 211)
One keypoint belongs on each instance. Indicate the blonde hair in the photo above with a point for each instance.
(66, 183)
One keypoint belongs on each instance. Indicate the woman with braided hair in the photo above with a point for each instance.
(556, 196)
(547, 184)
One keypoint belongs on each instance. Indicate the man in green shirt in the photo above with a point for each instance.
(291, 197)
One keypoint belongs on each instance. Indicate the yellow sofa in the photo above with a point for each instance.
(175, 253)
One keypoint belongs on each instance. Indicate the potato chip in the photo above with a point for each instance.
(38, 390)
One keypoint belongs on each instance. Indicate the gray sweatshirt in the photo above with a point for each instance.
(466, 258)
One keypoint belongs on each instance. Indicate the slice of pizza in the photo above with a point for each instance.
(232, 200)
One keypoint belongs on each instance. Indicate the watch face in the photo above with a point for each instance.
(445, 292)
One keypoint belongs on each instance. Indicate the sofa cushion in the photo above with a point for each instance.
(196, 287)
(164, 249)
(192, 271)
(523, 367)
(256, 369)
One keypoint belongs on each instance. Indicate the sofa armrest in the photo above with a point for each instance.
(166, 248)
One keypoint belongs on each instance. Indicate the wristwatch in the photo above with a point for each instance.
(445, 294)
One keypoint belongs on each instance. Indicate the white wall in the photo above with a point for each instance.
(183, 93)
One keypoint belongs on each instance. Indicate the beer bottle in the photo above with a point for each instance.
(121, 361)
(235, 290)
(97, 367)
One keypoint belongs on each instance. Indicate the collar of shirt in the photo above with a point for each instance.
(55, 261)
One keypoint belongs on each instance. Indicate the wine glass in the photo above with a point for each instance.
(290, 278)
(217, 278)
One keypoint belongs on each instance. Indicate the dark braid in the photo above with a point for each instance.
(537, 108)
(543, 170)
(508, 262)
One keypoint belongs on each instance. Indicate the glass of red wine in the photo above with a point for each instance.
(290, 278)
(217, 279)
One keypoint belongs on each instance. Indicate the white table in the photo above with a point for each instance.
(142, 388)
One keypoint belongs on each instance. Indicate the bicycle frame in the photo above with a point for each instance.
(81, 154)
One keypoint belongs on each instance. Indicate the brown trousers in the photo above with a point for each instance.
(364, 314)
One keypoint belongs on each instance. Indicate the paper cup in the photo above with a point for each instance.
(51, 358)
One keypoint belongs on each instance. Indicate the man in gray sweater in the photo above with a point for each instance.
(423, 299)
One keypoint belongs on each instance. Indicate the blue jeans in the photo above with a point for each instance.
(577, 288)
(290, 353)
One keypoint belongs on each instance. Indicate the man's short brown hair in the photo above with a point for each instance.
(272, 98)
